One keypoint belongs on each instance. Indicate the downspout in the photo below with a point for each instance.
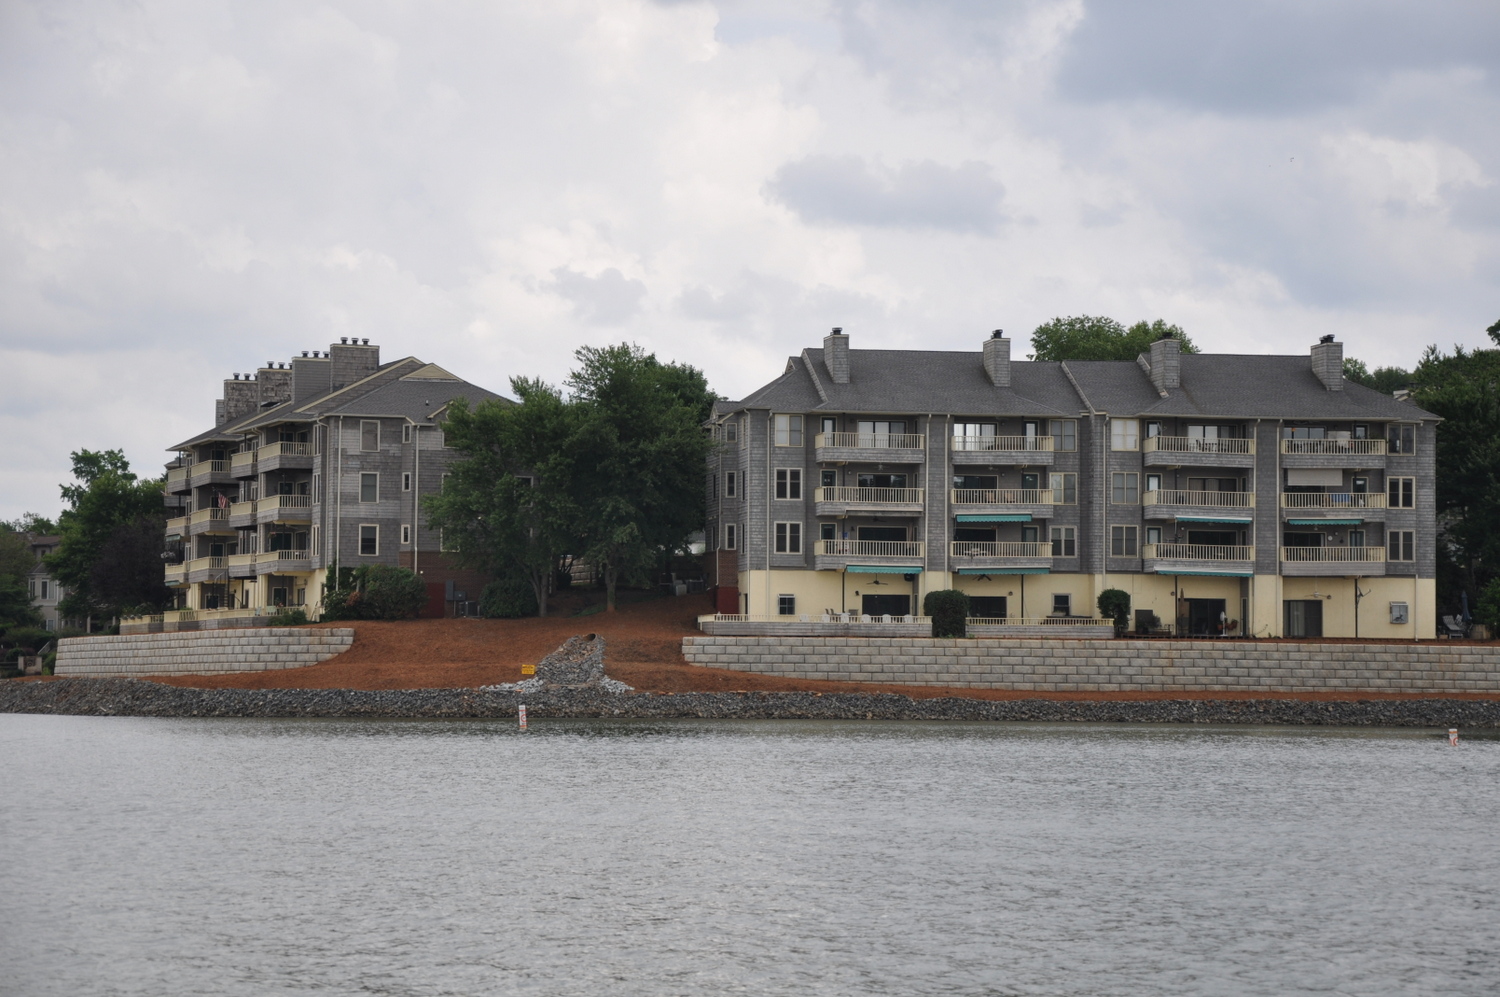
(416, 497)
(338, 529)
(767, 539)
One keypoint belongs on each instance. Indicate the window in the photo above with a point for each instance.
(1399, 614)
(1064, 487)
(828, 425)
(406, 533)
(1361, 432)
(1064, 434)
(406, 432)
(1356, 538)
(1153, 483)
(1153, 535)
(1122, 540)
(1153, 430)
(44, 588)
(316, 549)
(1064, 541)
(729, 537)
(1403, 547)
(1401, 493)
(786, 605)
(317, 489)
(788, 538)
(1124, 487)
(788, 483)
(406, 481)
(369, 539)
(369, 487)
(369, 435)
(731, 479)
(1402, 438)
(827, 531)
(1124, 434)
(731, 432)
(787, 430)
(828, 479)
(1062, 604)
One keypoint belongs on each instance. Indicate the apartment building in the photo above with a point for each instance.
(1226, 493)
(45, 590)
(312, 463)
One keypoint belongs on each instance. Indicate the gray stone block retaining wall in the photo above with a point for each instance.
(1110, 665)
(199, 653)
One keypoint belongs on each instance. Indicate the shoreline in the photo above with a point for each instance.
(140, 698)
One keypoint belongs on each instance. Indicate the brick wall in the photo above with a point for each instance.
(1110, 665)
(200, 653)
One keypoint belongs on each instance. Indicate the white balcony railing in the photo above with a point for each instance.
(1192, 444)
(207, 516)
(240, 560)
(206, 564)
(176, 476)
(1008, 496)
(1198, 552)
(1215, 500)
(177, 524)
(1003, 444)
(237, 509)
(1332, 554)
(284, 450)
(789, 618)
(1040, 621)
(205, 467)
(289, 558)
(871, 548)
(872, 441)
(271, 502)
(1334, 448)
(1333, 500)
(244, 461)
(869, 496)
(1001, 548)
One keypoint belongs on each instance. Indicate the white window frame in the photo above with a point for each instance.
(788, 537)
(406, 533)
(362, 476)
(362, 528)
(786, 430)
(1124, 434)
(786, 604)
(406, 481)
(788, 481)
(1130, 482)
(1063, 538)
(1402, 487)
(1063, 484)
(362, 424)
(1399, 543)
(1400, 430)
(732, 431)
(1065, 441)
(731, 484)
(1066, 601)
(406, 432)
(1130, 544)
(731, 537)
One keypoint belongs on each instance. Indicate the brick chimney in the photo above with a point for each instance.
(997, 359)
(241, 398)
(352, 359)
(311, 376)
(1328, 363)
(836, 355)
(1166, 363)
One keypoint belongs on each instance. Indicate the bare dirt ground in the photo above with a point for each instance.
(643, 649)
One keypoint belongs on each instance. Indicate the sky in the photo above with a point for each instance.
(193, 188)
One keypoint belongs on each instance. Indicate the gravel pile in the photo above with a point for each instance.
(138, 698)
(577, 664)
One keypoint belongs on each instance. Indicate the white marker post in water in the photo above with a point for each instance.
(1453, 735)
(521, 713)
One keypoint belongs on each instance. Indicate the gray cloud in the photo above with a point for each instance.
(608, 299)
(918, 195)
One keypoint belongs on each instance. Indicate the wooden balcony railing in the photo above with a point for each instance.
(206, 563)
(176, 476)
(289, 558)
(872, 548)
(1333, 500)
(177, 524)
(243, 461)
(284, 450)
(237, 509)
(1001, 548)
(1008, 496)
(1003, 444)
(1192, 444)
(1332, 554)
(1335, 448)
(872, 441)
(284, 502)
(204, 467)
(1216, 500)
(208, 515)
(1198, 552)
(869, 496)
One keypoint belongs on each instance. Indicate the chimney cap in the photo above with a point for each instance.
(838, 330)
(1326, 339)
(1169, 334)
(998, 334)
(366, 341)
(304, 353)
(344, 339)
(236, 377)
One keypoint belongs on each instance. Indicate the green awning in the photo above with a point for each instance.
(1214, 519)
(1324, 522)
(995, 517)
(1004, 571)
(882, 569)
(1211, 574)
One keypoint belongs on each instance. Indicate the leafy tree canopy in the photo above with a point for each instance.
(1095, 337)
(16, 562)
(1383, 379)
(30, 523)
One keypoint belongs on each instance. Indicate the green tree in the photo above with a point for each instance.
(16, 562)
(949, 610)
(1095, 337)
(637, 484)
(31, 523)
(109, 554)
(1383, 379)
(508, 507)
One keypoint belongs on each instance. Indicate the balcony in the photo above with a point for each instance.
(871, 448)
(207, 569)
(1009, 502)
(242, 465)
(241, 565)
(1358, 454)
(1328, 508)
(852, 554)
(1198, 559)
(1190, 451)
(209, 472)
(209, 521)
(842, 500)
(284, 509)
(1205, 507)
(971, 556)
(277, 562)
(176, 575)
(177, 479)
(1023, 451)
(1346, 562)
(242, 515)
(285, 457)
(177, 526)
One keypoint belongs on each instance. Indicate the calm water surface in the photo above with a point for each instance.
(258, 857)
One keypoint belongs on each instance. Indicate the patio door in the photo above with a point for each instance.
(1304, 618)
(885, 605)
(1203, 616)
(987, 607)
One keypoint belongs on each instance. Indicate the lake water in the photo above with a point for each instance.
(256, 857)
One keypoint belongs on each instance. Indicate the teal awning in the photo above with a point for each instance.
(995, 517)
(1211, 574)
(1214, 519)
(1004, 571)
(882, 569)
(1324, 522)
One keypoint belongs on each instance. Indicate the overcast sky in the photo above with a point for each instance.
(190, 188)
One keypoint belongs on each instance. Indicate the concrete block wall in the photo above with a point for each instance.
(1110, 665)
(199, 653)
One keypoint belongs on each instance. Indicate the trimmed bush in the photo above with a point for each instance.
(507, 599)
(1487, 607)
(295, 617)
(376, 592)
(1114, 604)
(949, 609)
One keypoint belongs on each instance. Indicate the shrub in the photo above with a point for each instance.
(375, 592)
(1114, 604)
(949, 609)
(507, 598)
(294, 617)
(1487, 607)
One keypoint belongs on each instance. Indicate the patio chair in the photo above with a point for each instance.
(1453, 628)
